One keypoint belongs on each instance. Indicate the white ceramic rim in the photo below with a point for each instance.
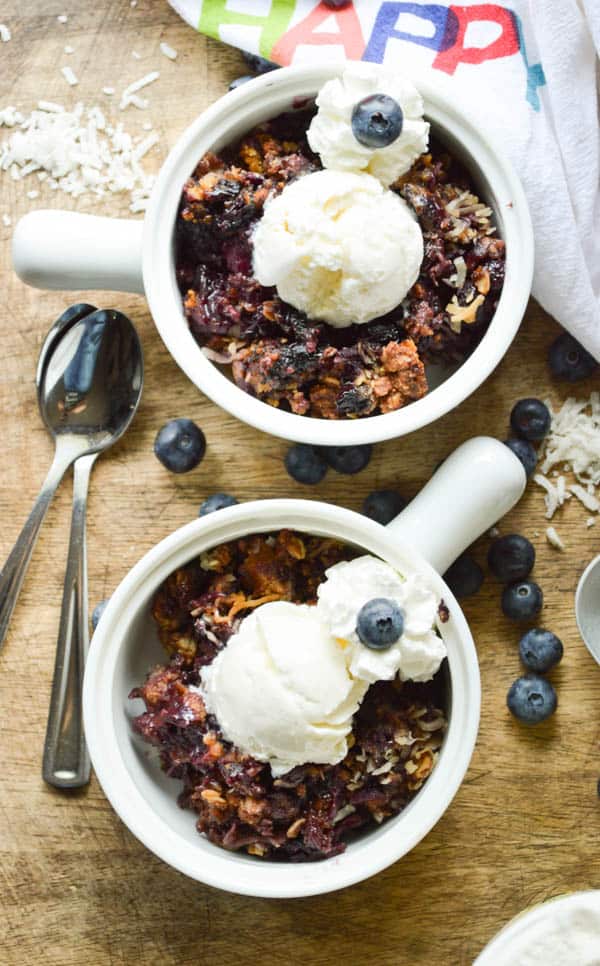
(101, 701)
(517, 928)
(593, 564)
(212, 127)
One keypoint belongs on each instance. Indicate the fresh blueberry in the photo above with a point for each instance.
(522, 601)
(525, 452)
(530, 419)
(383, 505)
(305, 463)
(531, 699)
(464, 577)
(540, 650)
(348, 459)
(337, 4)
(238, 81)
(377, 121)
(511, 558)
(180, 445)
(380, 623)
(260, 65)
(98, 612)
(569, 360)
(216, 502)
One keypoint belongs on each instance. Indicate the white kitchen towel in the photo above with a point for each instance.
(527, 71)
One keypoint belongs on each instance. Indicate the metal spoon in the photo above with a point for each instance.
(67, 450)
(101, 385)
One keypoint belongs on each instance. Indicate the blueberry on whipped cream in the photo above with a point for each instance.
(377, 121)
(286, 686)
(349, 585)
(380, 623)
(342, 115)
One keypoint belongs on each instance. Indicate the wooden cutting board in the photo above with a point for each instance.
(77, 888)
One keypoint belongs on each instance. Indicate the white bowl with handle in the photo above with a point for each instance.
(68, 250)
(474, 487)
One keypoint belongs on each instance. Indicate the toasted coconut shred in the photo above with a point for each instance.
(572, 445)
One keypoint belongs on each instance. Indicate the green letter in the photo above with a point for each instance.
(214, 14)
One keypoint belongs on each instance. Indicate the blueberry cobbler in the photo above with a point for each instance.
(303, 699)
(334, 252)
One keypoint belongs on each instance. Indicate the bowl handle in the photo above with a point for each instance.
(475, 486)
(68, 250)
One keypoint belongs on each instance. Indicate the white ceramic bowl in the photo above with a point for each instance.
(587, 607)
(516, 944)
(68, 250)
(125, 646)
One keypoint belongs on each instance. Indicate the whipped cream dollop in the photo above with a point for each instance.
(281, 689)
(338, 246)
(330, 133)
(287, 684)
(419, 651)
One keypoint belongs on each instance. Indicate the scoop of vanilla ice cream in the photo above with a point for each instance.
(281, 689)
(330, 132)
(348, 585)
(339, 247)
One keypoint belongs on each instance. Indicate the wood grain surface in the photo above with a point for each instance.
(76, 887)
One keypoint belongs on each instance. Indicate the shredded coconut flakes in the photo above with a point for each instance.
(168, 51)
(5, 33)
(129, 95)
(572, 444)
(77, 151)
(69, 75)
(553, 539)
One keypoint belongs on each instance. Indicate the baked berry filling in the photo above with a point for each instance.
(303, 365)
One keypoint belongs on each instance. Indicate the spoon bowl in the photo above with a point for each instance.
(89, 381)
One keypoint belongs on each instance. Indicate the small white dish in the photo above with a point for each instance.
(587, 607)
(67, 250)
(473, 488)
(517, 944)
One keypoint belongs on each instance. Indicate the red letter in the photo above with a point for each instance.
(505, 45)
(349, 34)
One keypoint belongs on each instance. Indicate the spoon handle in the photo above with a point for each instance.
(15, 568)
(66, 762)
